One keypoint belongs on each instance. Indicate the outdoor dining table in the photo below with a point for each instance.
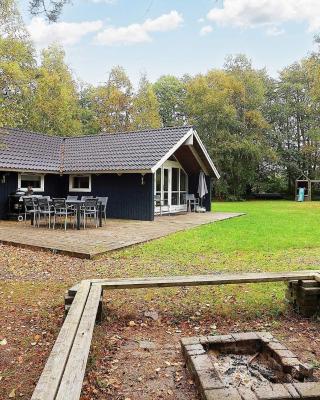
(78, 204)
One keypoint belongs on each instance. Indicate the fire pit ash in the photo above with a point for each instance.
(247, 366)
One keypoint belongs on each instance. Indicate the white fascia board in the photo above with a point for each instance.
(206, 154)
(172, 150)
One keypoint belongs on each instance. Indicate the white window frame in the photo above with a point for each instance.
(169, 208)
(40, 189)
(83, 190)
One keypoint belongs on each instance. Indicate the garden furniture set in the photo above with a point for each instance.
(71, 209)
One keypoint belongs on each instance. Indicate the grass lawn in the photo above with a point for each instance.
(272, 236)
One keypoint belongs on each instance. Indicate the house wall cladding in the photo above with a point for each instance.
(10, 185)
(128, 198)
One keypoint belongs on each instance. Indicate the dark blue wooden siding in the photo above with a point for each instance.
(128, 198)
(10, 185)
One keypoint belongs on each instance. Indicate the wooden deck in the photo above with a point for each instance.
(93, 242)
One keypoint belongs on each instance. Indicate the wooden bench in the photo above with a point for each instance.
(63, 374)
(64, 371)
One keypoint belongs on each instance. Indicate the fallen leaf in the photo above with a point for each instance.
(12, 394)
(3, 342)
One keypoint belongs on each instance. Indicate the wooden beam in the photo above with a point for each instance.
(64, 371)
(71, 383)
(214, 279)
(73, 290)
(52, 373)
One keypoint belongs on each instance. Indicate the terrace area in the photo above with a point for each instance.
(113, 235)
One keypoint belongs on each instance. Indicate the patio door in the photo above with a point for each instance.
(166, 189)
(171, 186)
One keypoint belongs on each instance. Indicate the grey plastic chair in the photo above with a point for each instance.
(72, 198)
(84, 198)
(30, 208)
(45, 209)
(158, 202)
(90, 209)
(104, 203)
(61, 209)
(191, 201)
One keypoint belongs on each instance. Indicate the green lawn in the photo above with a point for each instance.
(272, 236)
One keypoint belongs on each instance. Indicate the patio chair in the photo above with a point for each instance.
(72, 198)
(90, 209)
(158, 202)
(61, 209)
(45, 209)
(84, 198)
(104, 202)
(72, 206)
(192, 201)
(30, 208)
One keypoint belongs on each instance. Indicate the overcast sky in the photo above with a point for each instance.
(177, 36)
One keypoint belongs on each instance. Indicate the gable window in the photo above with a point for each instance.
(36, 181)
(79, 183)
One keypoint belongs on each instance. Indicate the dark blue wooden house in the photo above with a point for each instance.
(129, 168)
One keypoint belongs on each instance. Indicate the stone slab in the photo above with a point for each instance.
(114, 234)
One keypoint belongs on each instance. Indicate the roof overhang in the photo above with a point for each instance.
(114, 171)
(28, 171)
(38, 171)
(188, 139)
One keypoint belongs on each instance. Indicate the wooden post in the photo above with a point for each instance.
(309, 190)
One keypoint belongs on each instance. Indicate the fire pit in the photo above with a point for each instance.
(247, 366)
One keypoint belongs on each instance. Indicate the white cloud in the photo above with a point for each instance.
(138, 33)
(205, 30)
(65, 33)
(266, 13)
(274, 31)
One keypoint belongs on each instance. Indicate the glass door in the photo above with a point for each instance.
(166, 192)
(162, 190)
(171, 186)
(179, 190)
